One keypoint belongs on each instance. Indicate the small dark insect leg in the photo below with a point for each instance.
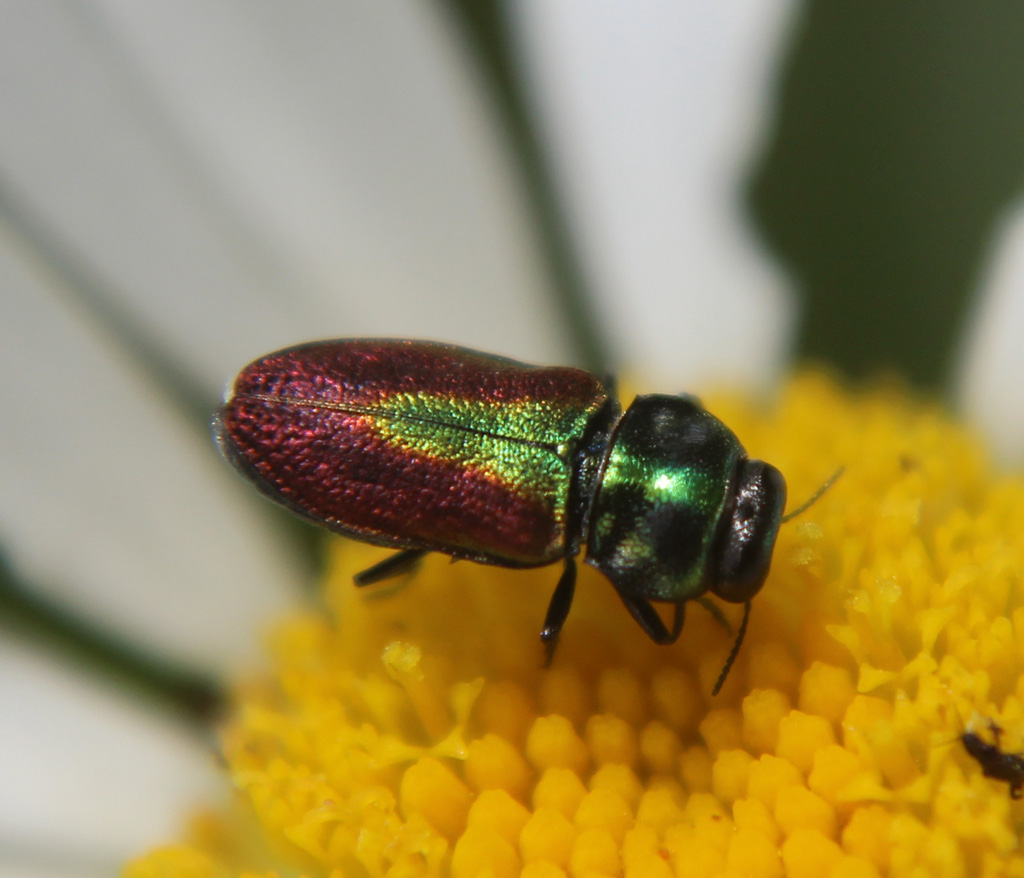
(715, 611)
(393, 565)
(677, 622)
(735, 650)
(558, 609)
(647, 618)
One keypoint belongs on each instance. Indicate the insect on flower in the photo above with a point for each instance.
(996, 764)
(428, 447)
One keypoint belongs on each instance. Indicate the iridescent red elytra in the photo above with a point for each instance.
(428, 447)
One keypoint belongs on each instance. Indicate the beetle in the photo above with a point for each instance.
(1007, 767)
(428, 447)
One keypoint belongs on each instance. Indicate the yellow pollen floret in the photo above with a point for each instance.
(412, 729)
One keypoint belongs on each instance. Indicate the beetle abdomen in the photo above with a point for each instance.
(416, 444)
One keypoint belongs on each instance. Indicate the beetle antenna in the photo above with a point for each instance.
(961, 730)
(735, 649)
(815, 497)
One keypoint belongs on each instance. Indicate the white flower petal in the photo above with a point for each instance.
(89, 777)
(654, 112)
(199, 162)
(248, 176)
(109, 503)
(990, 388)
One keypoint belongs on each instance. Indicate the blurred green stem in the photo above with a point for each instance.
(484, 26)
(20, 607)
(196, 697)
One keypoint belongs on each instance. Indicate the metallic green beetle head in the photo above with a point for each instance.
(741, 551)
(681, 510)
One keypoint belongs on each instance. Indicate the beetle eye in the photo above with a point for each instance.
(742, 551)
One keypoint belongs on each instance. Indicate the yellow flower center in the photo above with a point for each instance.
(411, 729)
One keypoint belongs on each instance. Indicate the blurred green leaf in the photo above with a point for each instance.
(898, 144)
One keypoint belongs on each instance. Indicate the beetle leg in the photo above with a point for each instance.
(393, 565)
(558, 609)
(677, 621)
(735, 649)
(647, 618)
(715, 611)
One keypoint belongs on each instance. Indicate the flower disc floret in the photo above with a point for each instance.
(411, 729)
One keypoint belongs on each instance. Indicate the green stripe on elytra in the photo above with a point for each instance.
(465, 433)
(522, 420)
